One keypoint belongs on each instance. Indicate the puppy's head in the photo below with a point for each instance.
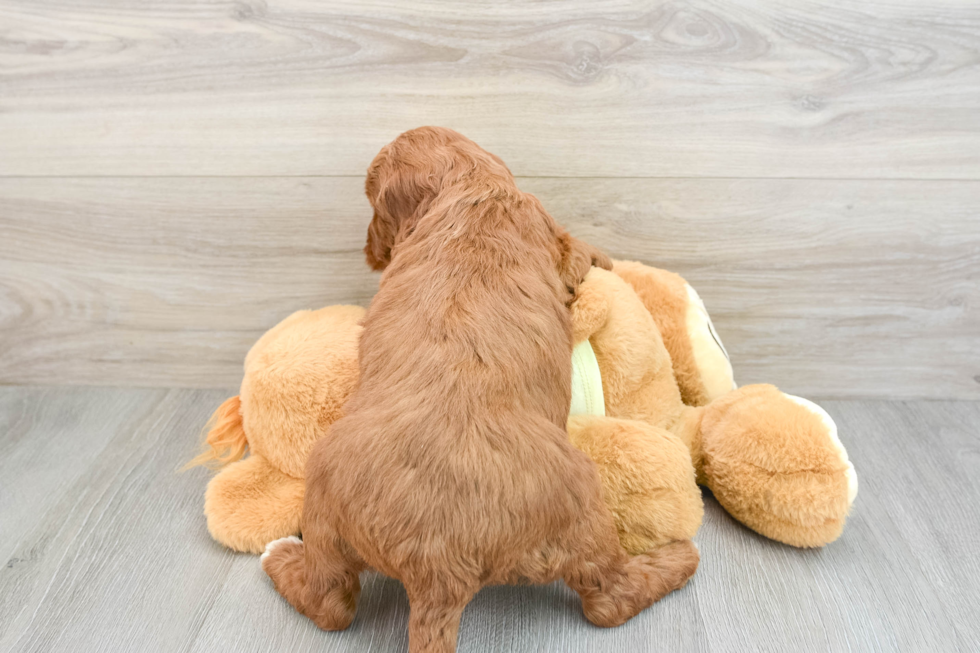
(409, 173)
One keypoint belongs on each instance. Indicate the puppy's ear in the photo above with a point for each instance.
(380, 240)
(577, 257)
(400, 195)
(384, 188)
(396, 214)
(597, 257)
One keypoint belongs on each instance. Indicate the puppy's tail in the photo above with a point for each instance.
(225, 442)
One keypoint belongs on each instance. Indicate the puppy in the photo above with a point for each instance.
(451, 468)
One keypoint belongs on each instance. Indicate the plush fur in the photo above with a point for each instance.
(297, 378)
(770, 461)
(665, 298)
(773, 461)
(451, 467)
(647, 479)
(796, 494)
(754, 450)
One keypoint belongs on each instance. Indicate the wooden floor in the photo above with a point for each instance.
(105, 549)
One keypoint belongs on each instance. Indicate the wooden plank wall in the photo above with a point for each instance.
(177, 176)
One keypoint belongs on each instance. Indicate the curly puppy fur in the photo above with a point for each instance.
(452, 468)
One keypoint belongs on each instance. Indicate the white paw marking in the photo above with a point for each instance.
(274, 543)
(852, 479)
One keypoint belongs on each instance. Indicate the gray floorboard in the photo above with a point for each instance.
(104, 548)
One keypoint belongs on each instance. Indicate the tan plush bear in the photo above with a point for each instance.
(653, 404)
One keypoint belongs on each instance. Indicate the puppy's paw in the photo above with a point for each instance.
(674, 563)
(601, 260)
(271, 546)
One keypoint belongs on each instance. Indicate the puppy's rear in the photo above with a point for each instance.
(452, 469)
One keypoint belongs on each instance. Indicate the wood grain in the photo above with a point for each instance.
(626, 88)
(103, 547)
(824, 287)
(96, 523)
(177, 176)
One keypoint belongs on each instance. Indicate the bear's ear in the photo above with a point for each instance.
(590, 310)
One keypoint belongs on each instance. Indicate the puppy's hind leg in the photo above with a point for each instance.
(635, 583)
(436, 608)
(614, 586)
(318, 576)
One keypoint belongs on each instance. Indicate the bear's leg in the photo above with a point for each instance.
(776, 464)
(250, 503)
(647, 479)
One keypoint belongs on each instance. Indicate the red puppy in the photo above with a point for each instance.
(451, 468)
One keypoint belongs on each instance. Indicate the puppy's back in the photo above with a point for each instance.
(465, 387)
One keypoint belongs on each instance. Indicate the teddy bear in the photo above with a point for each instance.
(654, 405)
